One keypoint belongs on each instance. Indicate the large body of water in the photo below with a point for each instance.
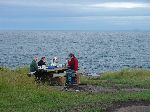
(96, 51)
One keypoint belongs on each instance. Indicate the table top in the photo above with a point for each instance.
(57, 69)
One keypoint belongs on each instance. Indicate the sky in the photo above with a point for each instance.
(101, 15)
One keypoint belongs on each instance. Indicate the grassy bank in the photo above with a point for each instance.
(20, 93)
(124, 78)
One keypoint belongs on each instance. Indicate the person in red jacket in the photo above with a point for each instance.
(73, 65)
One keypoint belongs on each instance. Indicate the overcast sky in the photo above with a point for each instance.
(102, 15)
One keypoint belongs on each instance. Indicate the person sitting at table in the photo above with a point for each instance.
(54, 61)
(42, 61)
(33, 66)
(73, 69)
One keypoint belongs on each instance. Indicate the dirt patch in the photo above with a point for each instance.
(134, 109)
(96, 89)
(131, 106)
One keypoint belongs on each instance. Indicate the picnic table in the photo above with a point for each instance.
(54, 75)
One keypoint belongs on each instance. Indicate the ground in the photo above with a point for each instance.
(111, 92)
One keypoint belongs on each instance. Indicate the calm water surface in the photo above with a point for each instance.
(96, 51)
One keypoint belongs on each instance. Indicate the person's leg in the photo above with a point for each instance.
(68, 77)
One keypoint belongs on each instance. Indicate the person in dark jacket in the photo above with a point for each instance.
(42, 61)
(33, 65)
(73, 66)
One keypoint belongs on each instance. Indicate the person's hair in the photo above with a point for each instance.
(71, 55)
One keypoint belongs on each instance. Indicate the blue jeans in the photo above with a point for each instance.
(71, 77)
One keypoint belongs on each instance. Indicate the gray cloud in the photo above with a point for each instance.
(77, 3)
(56, 13)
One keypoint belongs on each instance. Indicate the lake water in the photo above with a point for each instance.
(97, 51)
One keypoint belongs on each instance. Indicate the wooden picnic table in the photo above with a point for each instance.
(51, 75)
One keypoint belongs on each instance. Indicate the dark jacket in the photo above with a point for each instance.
(41, 62)
(33, 66)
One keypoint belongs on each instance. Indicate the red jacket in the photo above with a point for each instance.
(73, 64)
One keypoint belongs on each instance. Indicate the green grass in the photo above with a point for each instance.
(19, 93)
(125, 78)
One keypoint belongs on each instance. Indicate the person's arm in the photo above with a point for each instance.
(76, 65)
(35, 66)
(70, 63)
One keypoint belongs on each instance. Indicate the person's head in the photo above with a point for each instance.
(55, 59)
(71, 55)
(43, 59)
(36, 58)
